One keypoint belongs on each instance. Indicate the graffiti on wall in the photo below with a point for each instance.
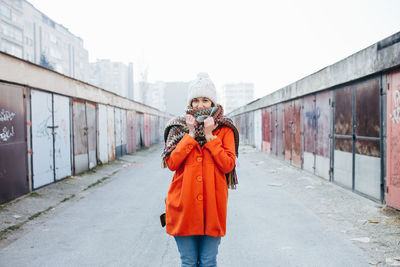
(43, 129)
(6, 133)
(312, 118)
(395, 116)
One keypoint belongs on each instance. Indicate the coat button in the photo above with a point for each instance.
(199, 178)
(200, 197)
(187, 151)
(199, 159)
(190, 146)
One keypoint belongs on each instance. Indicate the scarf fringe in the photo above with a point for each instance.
(231, 179)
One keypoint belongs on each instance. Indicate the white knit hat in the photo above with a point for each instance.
(202, 87)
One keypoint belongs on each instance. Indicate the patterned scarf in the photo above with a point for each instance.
(176, 128)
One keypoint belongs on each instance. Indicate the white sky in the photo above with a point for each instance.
(269, 43)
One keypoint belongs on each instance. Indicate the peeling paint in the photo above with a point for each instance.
(395, 116)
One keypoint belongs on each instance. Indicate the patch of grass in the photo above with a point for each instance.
(37, 214)
(4, 232)
(93, 170)
(68, 198)
(34, 194)
(97, 182)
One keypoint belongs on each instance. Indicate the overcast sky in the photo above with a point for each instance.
(269, 43)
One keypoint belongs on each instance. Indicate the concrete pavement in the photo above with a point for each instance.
(278, 216)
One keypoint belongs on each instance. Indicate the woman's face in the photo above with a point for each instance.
(201, 102)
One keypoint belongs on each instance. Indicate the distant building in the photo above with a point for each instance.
(176, 94)
(27, 33)
(115, 77)
(166, 96)
(234, 95)
(155, 96)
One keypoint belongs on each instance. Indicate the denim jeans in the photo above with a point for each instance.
(198, 250)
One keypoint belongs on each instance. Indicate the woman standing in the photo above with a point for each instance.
(200, 147)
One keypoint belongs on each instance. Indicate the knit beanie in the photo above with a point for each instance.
(202, 87)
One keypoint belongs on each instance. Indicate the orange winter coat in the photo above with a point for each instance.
(198, 195)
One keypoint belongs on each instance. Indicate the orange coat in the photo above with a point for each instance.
(198, 195)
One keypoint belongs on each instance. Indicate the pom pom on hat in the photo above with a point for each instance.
(202, 87)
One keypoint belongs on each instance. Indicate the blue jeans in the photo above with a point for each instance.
(198, 250)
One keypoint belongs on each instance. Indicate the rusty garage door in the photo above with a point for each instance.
(131, 131)
(357, 156)
(280, 131)
(293, 132)
(310, 128)
(266, 130)
(393, 140)
(274, 130)
(316, 128)
(323, 126)
(13, 146)
(84, 121)
(367, 162)
(258, 129)
(343, 138)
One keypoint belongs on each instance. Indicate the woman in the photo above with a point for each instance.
(200, 147)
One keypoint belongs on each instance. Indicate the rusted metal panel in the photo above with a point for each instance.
(118, 135)
(123, 132)
(288, 118)
(42, 138)
(393, 140)
(310, 126)
(92, 133)
(274, 130)
(131, 131)
(367, 108)
(111, 133)
(292, 135)
(280, 131)
(266, 130)
(323, 123)
(102, 140)
(344, 111)
(13, 156)
(62, 137)
(146, 130)
(296, 134)
(80, 131)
